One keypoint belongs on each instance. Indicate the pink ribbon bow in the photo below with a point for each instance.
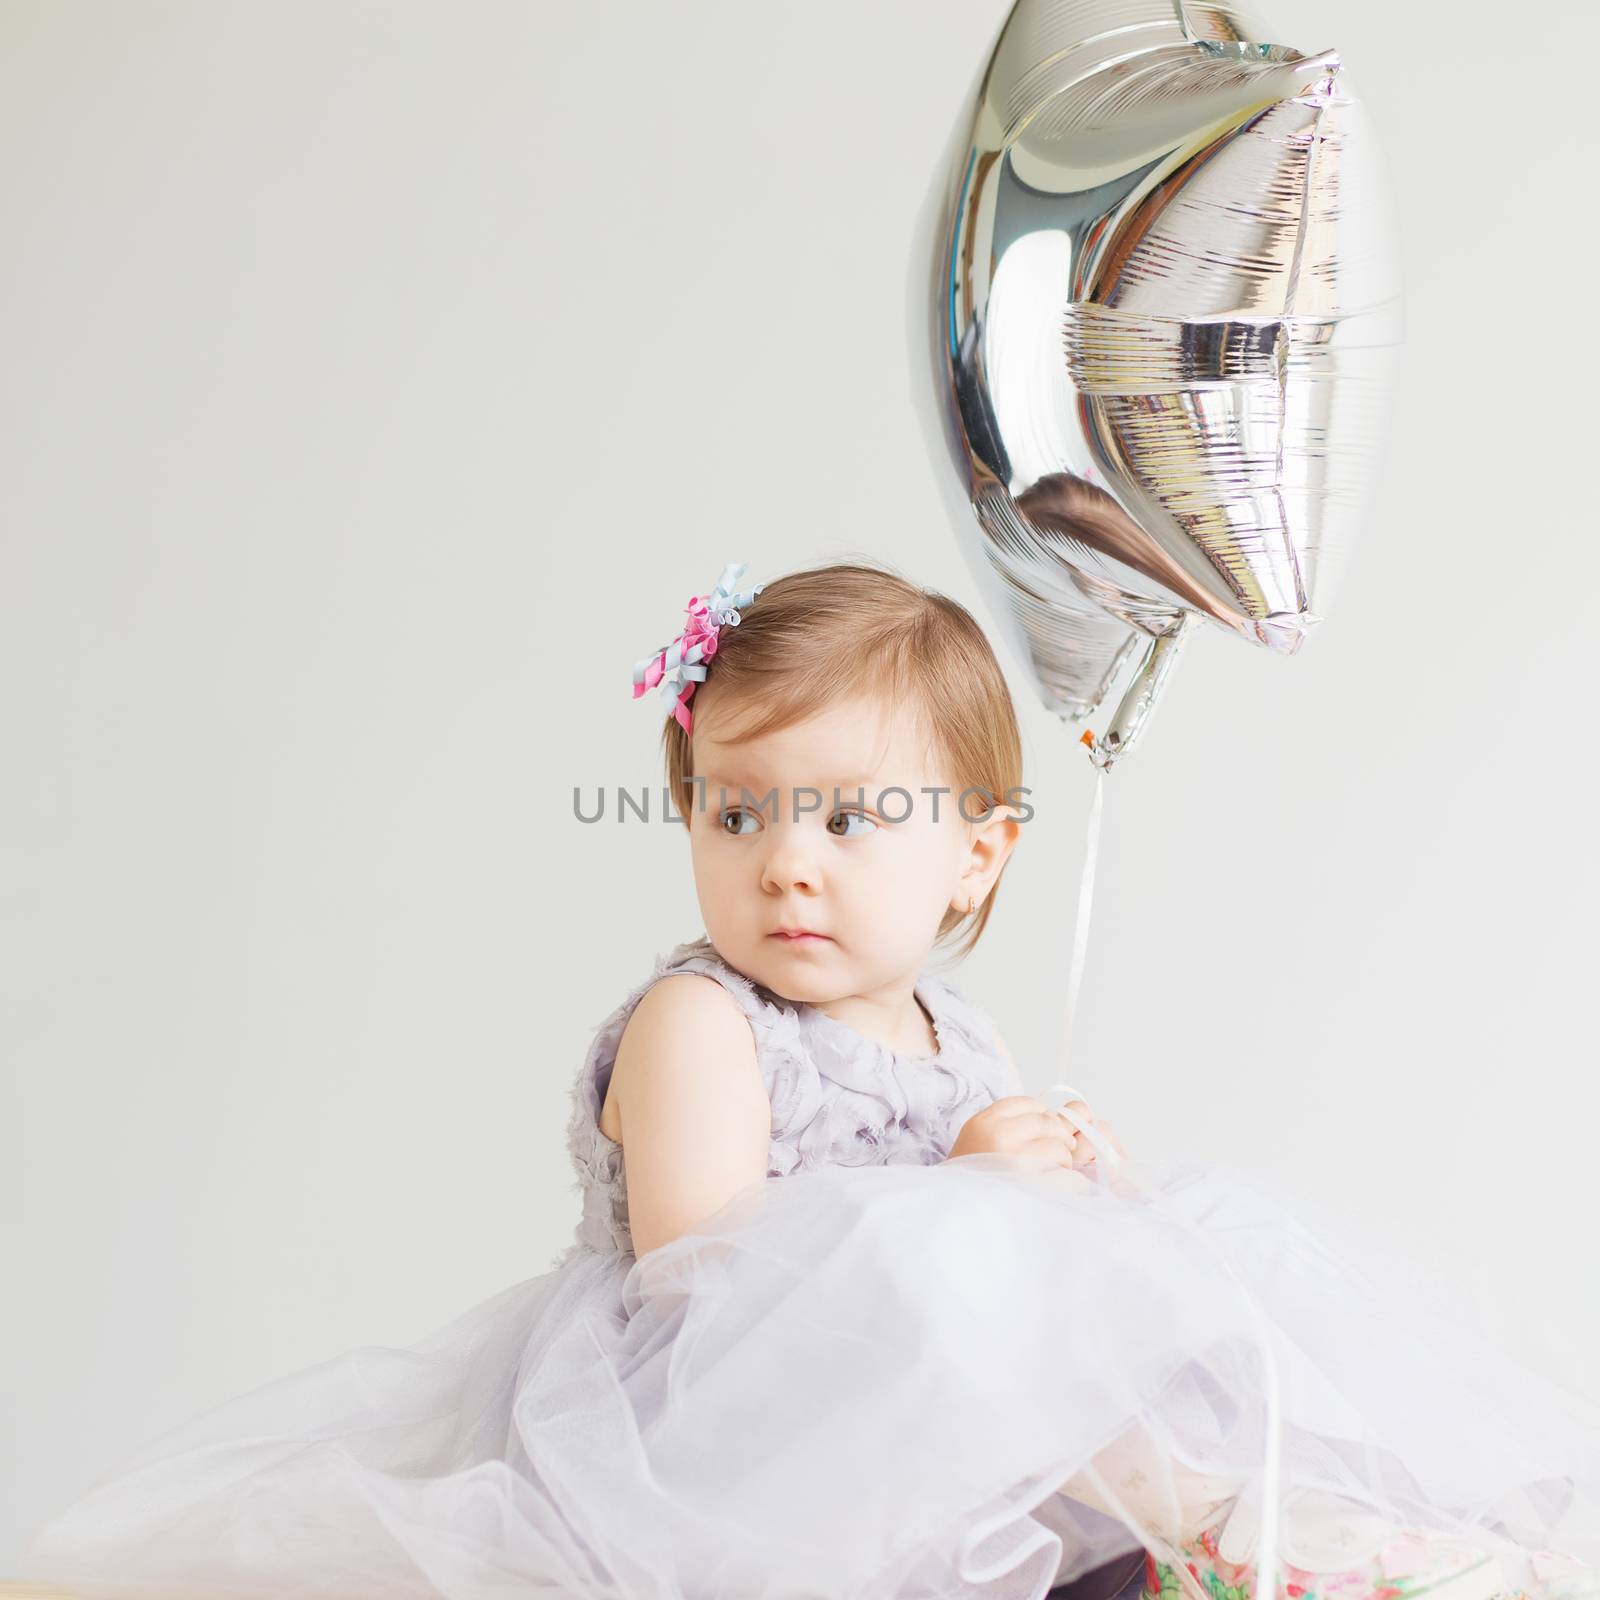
(679, 665)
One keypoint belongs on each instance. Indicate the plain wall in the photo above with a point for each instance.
(379, 381)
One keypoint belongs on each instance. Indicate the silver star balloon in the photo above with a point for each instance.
(1164, 315)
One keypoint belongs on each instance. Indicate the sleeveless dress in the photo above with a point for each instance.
(875, 1374)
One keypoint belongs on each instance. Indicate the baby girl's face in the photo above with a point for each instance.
(849, 869)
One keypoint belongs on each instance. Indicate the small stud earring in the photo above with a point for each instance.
(972, 905)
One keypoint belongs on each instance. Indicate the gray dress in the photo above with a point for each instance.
(867, 1377)
(838, 1098)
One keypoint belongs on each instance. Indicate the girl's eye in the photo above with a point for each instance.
(734, 814)
(857, 816)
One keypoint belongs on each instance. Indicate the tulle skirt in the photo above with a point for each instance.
(891, 1381)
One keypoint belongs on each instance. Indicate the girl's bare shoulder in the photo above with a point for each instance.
(686, 1034)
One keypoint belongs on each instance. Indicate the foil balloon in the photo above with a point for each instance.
(1164, 315)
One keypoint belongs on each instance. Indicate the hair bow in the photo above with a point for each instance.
(679, 665)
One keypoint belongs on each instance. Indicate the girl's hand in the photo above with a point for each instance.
(1104, 1129)
(1038, 1136)
(1082, 1146)
(1034, 1135)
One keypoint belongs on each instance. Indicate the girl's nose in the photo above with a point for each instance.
(791, 862)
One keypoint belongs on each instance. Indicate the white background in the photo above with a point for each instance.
(379, 382)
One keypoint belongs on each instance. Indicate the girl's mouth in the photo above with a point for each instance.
(799, 937)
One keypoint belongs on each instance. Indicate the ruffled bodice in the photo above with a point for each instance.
(838, 1098)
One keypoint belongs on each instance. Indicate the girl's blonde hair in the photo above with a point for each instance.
(824, 634)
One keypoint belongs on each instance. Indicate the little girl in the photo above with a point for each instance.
(849, 1314)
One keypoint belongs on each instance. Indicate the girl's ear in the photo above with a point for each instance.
(990, 845)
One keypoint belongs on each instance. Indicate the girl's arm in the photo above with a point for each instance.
(694, 1110)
